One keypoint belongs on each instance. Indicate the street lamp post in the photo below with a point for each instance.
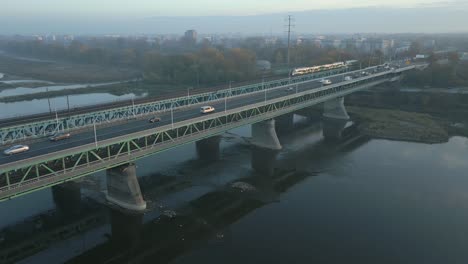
(188, 95)
(133, 105)
(56, 121)
(95, 132)
(48, 100)
(226, 96)
(172, 117)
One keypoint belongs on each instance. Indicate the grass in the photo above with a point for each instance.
(399, 125)
(64, 72)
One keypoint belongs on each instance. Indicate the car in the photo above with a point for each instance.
(289, 89)
(60, 136)
(154, 119)
(15, 149)
(348, 78)
(206, 109)
(326, 82)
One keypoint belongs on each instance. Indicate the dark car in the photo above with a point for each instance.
(60, 136)
(154, 119)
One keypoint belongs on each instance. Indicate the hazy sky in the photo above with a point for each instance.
(221, 16)
(191, 7)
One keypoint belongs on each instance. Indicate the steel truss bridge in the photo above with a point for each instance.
(45, 128)
(31, 174)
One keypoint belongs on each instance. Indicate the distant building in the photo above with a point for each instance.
(190, 36)
(402, 49)
(464, 56)
(429, 44)
(263, 65)
(421, 56)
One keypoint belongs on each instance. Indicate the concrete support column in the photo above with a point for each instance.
(264, 135)
(284, 123)
(123, 188)
(67, 198)
(332, 129)
(334, 119)
(208, 148)
(335, 109)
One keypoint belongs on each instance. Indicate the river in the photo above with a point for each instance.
(373, 201)
(22, 108)
(48, 88)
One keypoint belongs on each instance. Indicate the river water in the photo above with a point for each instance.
(30, 107)
(48, 88)
(373, 201)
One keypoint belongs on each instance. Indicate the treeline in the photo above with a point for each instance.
(305, 54)
(440, 73)
(205, 67)
(79, 52)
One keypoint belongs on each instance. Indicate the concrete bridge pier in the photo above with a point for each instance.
(334, 119)
(266, 146)
(284, 123)
(123, 188)
(208, 148)
(67, 198)
(264, 135)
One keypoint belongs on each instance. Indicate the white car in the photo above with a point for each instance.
(348, 78)
(206, 109)
(326, 82)
(15, 149)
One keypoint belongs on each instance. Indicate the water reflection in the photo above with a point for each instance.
(41, 89)
(315, 201)
(41, 105)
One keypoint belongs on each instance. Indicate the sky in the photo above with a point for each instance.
(218, 16)
(191, 7)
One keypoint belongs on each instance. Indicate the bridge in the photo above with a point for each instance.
(124, 134)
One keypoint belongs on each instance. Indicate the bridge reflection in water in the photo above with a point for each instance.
(160, 234)
(172, 231)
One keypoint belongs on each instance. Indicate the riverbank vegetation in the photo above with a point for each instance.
(64, 72)
(398, 125)
(441, 72)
